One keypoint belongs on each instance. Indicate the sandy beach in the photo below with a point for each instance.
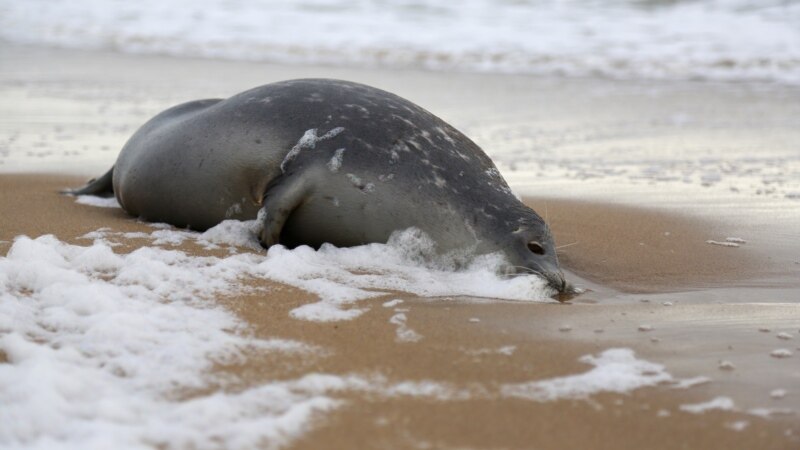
(415, 371)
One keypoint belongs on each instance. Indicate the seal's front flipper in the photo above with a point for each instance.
(101, 187)
(281, 199)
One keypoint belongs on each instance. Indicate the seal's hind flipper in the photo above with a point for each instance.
(281, 199)
(101, 187)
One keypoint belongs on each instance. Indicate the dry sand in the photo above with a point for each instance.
(642, 266)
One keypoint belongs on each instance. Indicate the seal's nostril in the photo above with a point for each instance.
(536, 247)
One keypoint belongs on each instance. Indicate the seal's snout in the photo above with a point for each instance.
(556, 281)
(544, 268)
(552, 274)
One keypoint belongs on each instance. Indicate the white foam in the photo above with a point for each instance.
(739, 425)
(392, 303)
(781, 353)
(722, 243)
(725, 365)
(117, 350)
(720, 403)
(616, 370)
(232, 233)
(690, 382)
(341, 277)
(716, 39)
(99, 345)
(101, 202)
(325, 311)
(777, 393)
(403, 332)
(506, 350)
(768, 413)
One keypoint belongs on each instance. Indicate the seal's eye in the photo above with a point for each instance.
(536, 247)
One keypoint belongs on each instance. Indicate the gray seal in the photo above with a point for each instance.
(327, 161)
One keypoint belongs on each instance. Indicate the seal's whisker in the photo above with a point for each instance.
(567, 245)
(526, 270)
(546, 215)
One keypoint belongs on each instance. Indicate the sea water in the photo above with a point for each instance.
(650, 39)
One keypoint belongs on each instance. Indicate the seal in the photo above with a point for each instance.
(326, 161)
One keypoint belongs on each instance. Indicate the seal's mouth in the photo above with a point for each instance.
(555, 280)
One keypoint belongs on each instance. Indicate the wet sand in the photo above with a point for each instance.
(653, 283)
(638, 249)
(692, 338)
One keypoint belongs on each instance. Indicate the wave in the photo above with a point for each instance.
(722, 40)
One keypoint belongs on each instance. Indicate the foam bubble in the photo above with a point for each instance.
(739, 425)
(777, 393)
(784, 335)
(691, 382)
(616, 370)
(403, 332)
(768, 413)
(102, 202)
(721, 403)
(781, 353)
(506, 350)
(722, 243)
(392, 303)
(325, 312)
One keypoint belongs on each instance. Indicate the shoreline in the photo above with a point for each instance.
(643, 259)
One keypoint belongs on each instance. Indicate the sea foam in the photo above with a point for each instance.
(711, 39)
(98, 345)
(341, 277)
(106, 349)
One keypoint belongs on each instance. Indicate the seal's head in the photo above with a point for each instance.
(530, 249)
(533, 251)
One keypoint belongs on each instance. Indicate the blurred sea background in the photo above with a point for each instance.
(721, 40)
